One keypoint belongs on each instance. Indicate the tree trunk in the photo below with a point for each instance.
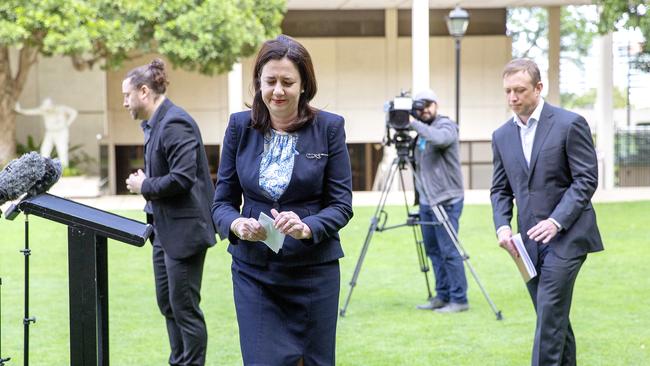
(7, 114)
(7, 129)
(10, 89)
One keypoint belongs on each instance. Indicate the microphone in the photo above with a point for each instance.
(31, 174)
(52, 173)
(20, 175)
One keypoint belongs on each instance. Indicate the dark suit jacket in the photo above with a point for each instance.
(178, 183)
(560, 182)
(319, 192)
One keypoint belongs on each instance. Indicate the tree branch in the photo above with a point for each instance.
(80, 63)
(533, 39)
(26, 58)
(5, 73)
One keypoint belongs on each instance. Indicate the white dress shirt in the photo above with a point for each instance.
(527, 133)
(527, 130)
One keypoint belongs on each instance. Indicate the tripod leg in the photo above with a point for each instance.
(374, 223)
(443, 218)
(357, 268)
(419, 242)
(422, 258)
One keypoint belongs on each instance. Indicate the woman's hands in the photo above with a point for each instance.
(248, 229)
(288, 223)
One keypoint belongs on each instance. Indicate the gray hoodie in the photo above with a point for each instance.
(438, 161)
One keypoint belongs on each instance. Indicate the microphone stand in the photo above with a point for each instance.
(26, 320)
(2, 360)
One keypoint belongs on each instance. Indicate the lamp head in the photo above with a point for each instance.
(457, 22)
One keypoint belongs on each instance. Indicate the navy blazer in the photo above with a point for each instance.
(319, 192)
(560, 182)
(178, 183)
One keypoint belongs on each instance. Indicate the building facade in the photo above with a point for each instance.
(362, 59)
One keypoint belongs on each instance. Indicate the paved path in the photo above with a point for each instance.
(482, 196)
(478, 196)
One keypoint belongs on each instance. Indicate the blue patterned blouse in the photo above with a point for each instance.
(277, 163)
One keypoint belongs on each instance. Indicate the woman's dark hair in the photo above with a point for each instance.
(277, 49)
(152, 75)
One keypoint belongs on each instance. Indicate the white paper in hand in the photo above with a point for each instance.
(274, 238)
(524, 263)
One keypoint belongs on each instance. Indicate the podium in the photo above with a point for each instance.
(88, 231)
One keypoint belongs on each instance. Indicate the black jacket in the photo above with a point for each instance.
(320, 190)
(178, 183)
(561, 179)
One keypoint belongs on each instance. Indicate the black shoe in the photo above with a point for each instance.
(432, 304)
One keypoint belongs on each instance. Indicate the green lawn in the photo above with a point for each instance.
(611, 316)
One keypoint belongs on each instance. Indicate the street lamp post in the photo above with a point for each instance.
(457, 22)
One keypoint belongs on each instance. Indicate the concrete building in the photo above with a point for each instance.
(363, 56)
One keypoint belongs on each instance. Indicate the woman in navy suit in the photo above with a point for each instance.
(289, 161)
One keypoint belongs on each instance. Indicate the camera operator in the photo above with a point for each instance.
(436, 154)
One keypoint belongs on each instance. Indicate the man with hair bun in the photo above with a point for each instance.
(177, 186)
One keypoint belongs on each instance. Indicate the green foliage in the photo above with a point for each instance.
(29, 146)
(79, 162)
(628, 14)
(577, 33)
(529, 28)
(588, 99)
(204, 35)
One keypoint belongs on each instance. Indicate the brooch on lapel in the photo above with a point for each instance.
(315, 155)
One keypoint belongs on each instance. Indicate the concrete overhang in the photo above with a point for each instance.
(433, 4)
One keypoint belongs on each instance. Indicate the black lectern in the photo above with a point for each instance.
(88, 230)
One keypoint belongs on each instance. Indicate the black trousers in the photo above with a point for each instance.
(178, 287)
(552, 292)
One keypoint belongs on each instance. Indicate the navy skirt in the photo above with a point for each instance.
(286, 312)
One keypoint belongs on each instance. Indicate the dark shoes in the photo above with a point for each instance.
(432, 304)
(453, 307)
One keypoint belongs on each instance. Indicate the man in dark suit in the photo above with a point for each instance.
(178, 190)
(545, 159)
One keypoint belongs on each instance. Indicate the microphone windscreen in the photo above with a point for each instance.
(19, 175)
(53, 170)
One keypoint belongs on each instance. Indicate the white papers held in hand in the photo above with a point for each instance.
(274, 238)
(525, 265)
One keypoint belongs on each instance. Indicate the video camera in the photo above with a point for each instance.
(398, 112)
(399, 109)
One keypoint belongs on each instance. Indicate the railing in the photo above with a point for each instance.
(632, 157)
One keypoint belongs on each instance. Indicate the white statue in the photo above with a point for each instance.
(58, 119)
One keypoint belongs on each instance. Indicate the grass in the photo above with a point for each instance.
(611, 306)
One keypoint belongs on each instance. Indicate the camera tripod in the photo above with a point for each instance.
(378, 223)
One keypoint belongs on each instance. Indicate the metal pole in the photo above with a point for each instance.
(26, 319)
(457, 41)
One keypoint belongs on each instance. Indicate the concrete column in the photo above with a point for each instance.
(392, 89)
(553, 86)
(420, 45)
(112, 174)
(605, 113)
(235, 89)
(391, 52)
